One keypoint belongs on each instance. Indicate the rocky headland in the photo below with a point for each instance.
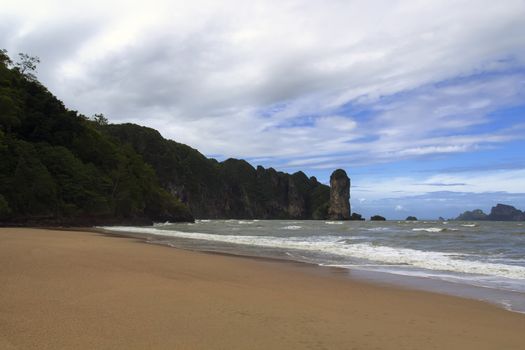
(231, 189)
(61, 168)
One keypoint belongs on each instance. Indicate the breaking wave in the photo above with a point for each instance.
(338, 246)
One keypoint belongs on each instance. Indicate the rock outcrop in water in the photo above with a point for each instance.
(411, 218)
(377, 218)
(357, 217)
(339, 196)
(473, 215)
(501, 212)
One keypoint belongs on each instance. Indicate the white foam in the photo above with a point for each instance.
(332, 245)
(486, 281)
(429, 229)
(160, 224)
(245, 222)
(292, 227)
(333, 222)
(469, 225)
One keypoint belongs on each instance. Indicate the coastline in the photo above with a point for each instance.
(84, 289)
(400, 272)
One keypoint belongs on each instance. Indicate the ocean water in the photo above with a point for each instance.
(483, 260)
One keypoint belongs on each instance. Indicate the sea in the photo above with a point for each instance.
(481, 260)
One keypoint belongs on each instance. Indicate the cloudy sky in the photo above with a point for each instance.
(421, 102)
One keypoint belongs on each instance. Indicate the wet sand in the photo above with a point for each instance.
(83, 290)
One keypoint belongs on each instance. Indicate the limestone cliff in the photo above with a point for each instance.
(339, 196)
(229, 189)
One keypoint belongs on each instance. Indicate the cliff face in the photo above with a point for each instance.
(339, 196)
(228, 189)
(58, 167)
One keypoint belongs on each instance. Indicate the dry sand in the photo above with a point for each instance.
(82, 290)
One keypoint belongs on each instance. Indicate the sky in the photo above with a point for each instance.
(421, 102)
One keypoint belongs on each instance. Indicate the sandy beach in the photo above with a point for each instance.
(83, 290)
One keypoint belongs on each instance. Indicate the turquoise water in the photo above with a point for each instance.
(486, 259)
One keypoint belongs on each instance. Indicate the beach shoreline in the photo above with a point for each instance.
(83, 289)
(402, 276)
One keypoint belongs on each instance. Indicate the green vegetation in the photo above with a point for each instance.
(60, 167)
(229, 189)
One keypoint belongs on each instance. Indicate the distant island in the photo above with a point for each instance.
(501, 212)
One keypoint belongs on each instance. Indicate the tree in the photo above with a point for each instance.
(5, 211)
(27, 66)
(100, 119)
(4, 58)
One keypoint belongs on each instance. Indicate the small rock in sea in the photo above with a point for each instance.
(411, 218)
(377, 218)
(357, 217)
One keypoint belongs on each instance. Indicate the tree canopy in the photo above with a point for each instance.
(57, 166)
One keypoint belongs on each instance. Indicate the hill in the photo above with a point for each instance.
(229, 189)
(58, 167)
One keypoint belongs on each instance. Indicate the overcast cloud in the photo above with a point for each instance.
(310, 85)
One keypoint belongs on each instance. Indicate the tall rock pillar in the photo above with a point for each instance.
(339, 196)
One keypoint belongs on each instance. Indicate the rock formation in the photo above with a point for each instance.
(377, 218)
(476, 214)
(411, 218)
(501, 212)
(231, 189)
(339, 196)
(357, 217)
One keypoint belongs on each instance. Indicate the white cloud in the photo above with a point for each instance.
(270, 79)
(510, 181)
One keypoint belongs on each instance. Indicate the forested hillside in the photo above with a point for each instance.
(60, 167)
(229, 189)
